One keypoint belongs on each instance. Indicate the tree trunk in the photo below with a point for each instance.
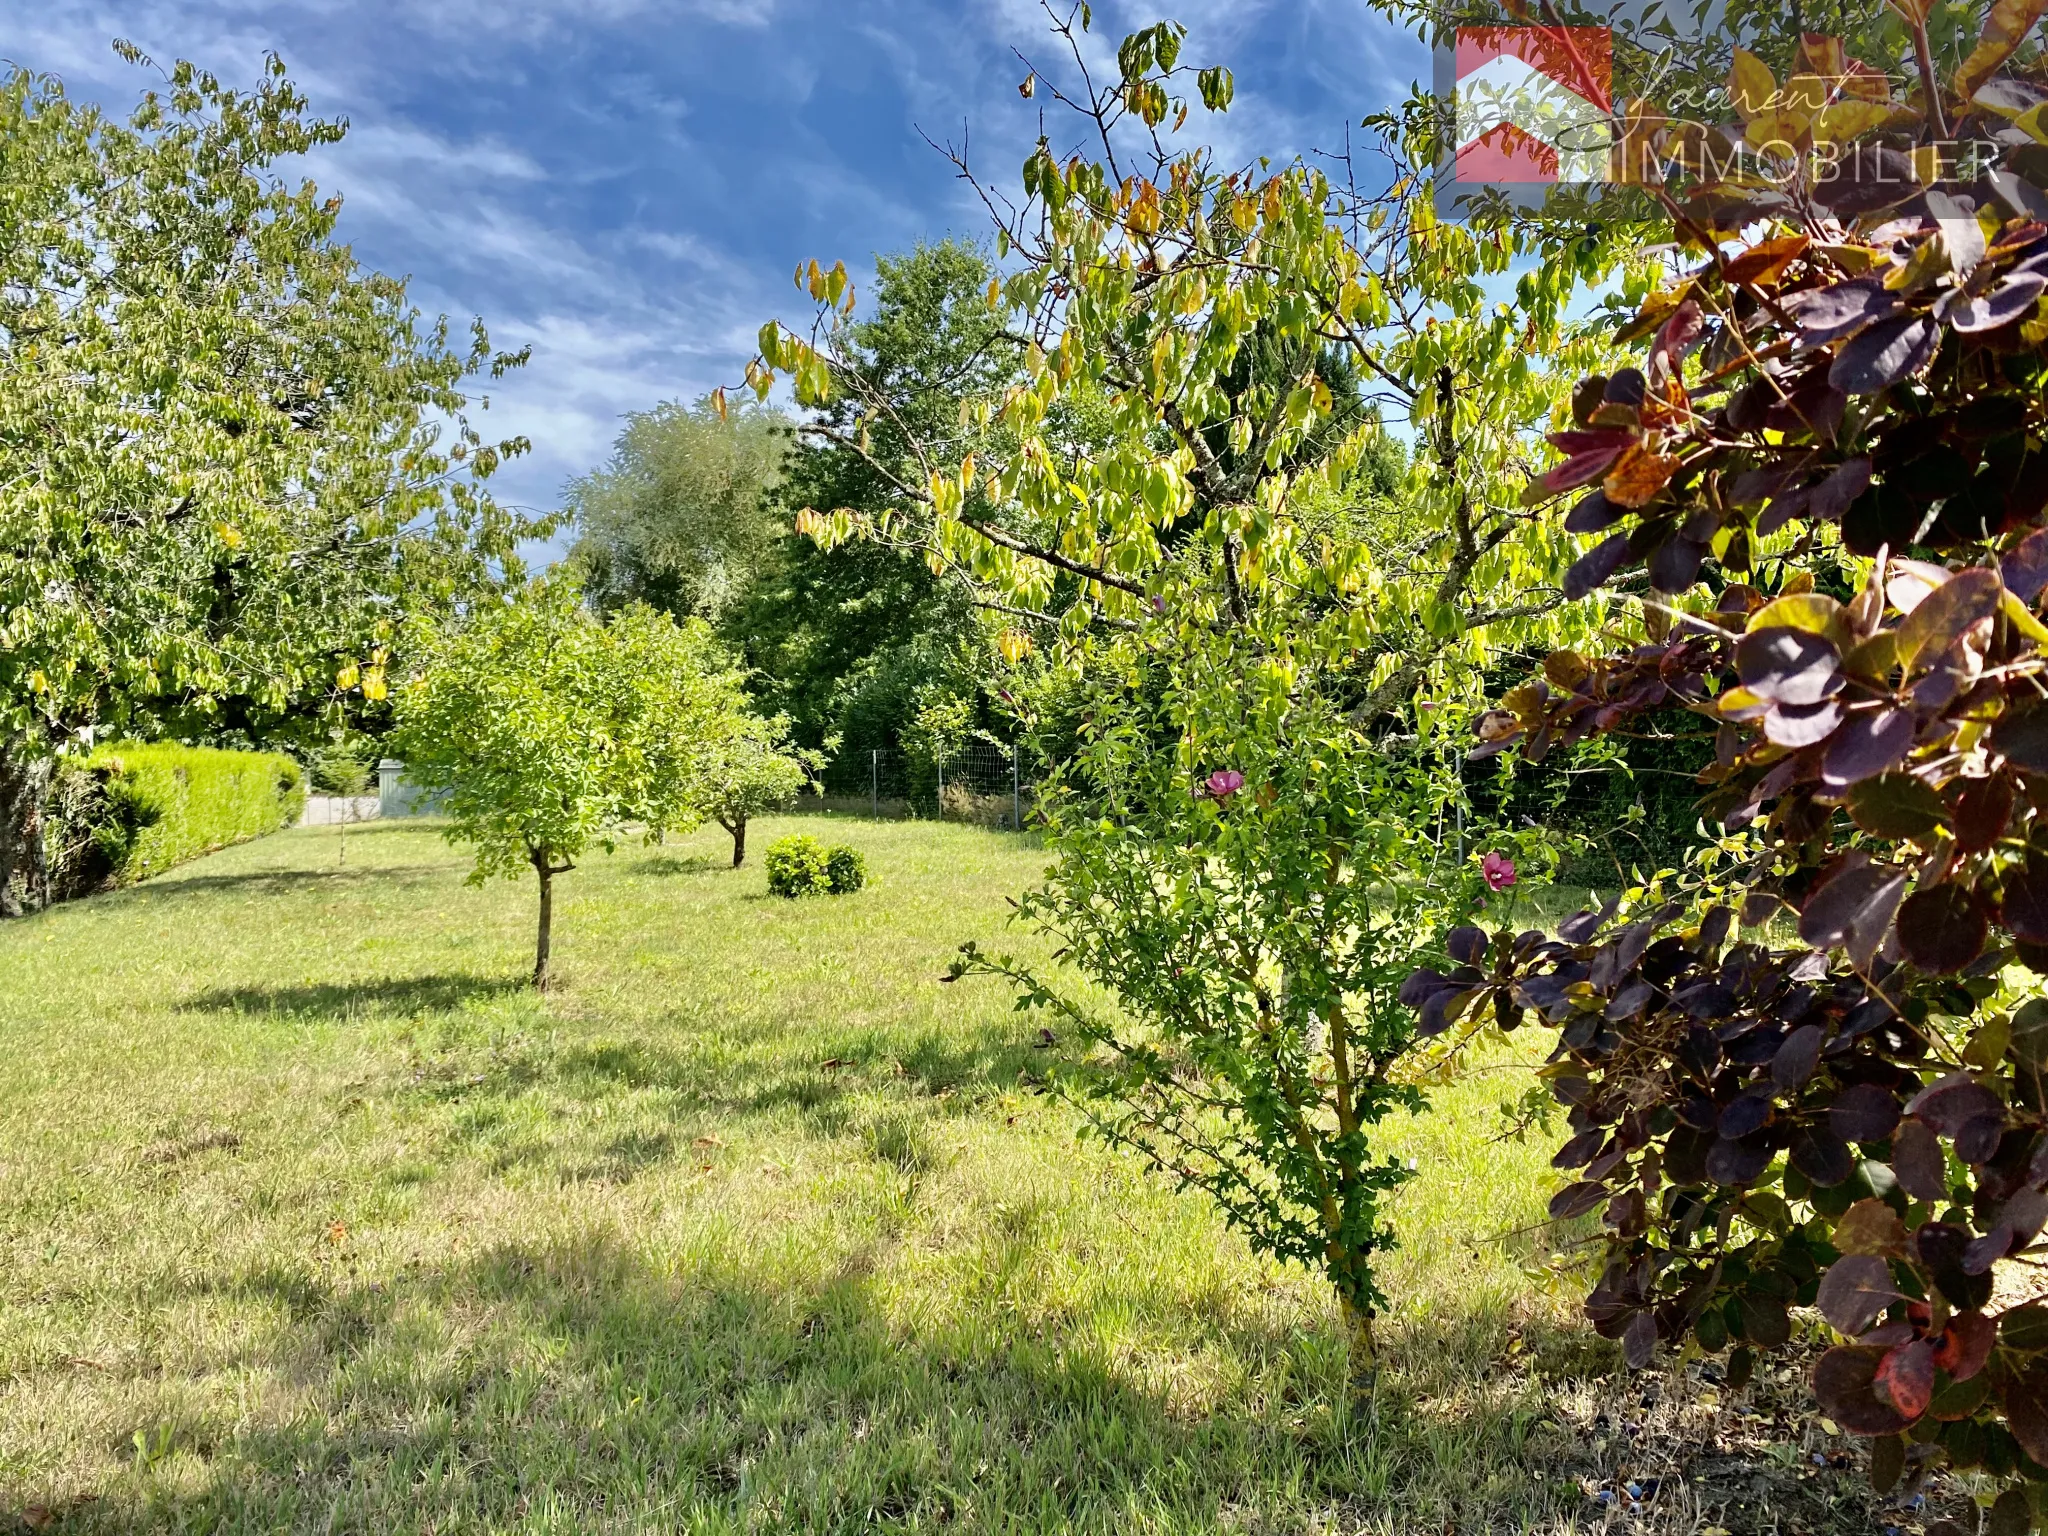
(738, 828)
(544, 866)
(1364, 1351)
(24, 786)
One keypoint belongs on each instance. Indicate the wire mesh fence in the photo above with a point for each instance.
(1611, 819)
(978, 781)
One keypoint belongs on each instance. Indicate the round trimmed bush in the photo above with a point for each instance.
(798, 866)
(846, 870)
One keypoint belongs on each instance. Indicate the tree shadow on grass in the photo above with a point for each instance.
(669, 864)
(742, 1071)
(575, 1383)
(280, 882)
(572, 1384)
(401, 996)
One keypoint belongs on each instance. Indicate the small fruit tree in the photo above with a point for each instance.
(1186, 483)
(1816, 1073)
(547, 731)
(749, 767)
(751, 772)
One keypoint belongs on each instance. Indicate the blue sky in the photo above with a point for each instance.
(627, 187)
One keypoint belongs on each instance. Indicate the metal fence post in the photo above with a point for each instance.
(939, 763)
(1016, 788)
(875, 784)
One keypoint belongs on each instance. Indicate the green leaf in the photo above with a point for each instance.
(1897, 805)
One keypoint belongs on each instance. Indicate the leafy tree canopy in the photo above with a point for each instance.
(684, 516)
(852, 641)
(231, 460)
(1810, 1069)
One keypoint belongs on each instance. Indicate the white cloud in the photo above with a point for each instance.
(626, 184)
(379, 149)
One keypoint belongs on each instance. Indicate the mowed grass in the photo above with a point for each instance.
(312, 1218)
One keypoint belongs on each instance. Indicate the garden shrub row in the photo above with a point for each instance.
(134, 809)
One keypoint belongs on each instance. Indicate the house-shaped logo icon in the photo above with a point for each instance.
(1533, 104)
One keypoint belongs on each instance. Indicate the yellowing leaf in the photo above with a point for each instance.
(1014, 644)
(1847, 121)
(1767, 260)
(1806, 93)
(1778, 133)
(1823, 55)
(2008, 22)
(1813, 612)
(348, 677)
(2022, 619)
(1567, 669)
(1987, 1046)
(1862, 83)
(1751, 85)
(1638, 475)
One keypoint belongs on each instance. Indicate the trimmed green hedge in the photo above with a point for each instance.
(160, 804)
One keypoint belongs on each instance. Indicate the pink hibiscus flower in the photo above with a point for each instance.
(1224, 783)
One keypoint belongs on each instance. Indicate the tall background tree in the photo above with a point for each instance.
(693, 515)
(231, 460)
(685, 516)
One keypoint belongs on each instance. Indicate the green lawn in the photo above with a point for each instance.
(312, 1218)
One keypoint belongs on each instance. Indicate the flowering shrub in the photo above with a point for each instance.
(1255, 931)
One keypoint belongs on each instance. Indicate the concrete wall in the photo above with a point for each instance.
(340, 810)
